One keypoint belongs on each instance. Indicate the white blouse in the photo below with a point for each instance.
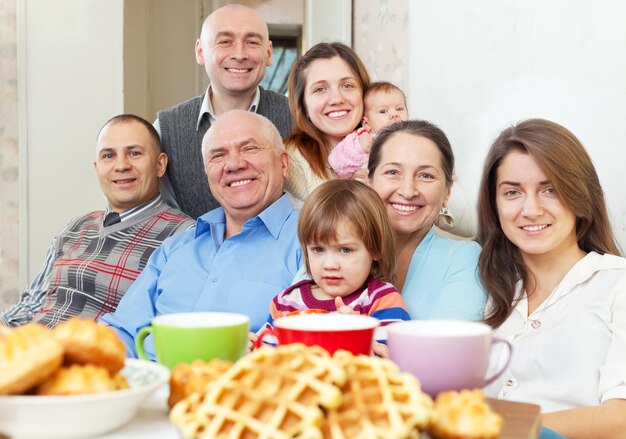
(571, 351)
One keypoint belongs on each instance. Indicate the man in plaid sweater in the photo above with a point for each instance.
(96, 257)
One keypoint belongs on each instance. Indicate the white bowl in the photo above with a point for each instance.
(81, 415)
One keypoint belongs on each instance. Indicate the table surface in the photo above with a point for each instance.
(521, 421)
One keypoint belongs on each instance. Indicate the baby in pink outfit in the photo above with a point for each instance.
(384, 104)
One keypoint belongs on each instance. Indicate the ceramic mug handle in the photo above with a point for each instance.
(141, 336)
(494, 342)
(259, 340)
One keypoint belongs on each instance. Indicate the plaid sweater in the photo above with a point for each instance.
(90, 266)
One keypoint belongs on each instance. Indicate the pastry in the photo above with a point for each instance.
(464, 415)
(28, 355)
(186, 379)
(270, 393)
(378, 401)
(81, 379)
(85, 341)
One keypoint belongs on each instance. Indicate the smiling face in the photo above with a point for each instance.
(245, 169)
(411, 182)
(383, 108)
(340, 266)
(235, 50)
(530, 211)
(333, 98)
(128, 165)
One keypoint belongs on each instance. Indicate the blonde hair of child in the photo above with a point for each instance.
(382, 87)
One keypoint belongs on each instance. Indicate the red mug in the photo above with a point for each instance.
(332, 331)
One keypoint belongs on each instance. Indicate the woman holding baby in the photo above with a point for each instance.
(326, 88)
(337, 112)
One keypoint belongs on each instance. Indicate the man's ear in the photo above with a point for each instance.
(199, 52)
(284, 158)
(161, 164)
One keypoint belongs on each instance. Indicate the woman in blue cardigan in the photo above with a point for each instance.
(410, 166)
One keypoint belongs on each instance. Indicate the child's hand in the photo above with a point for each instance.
(380, 349)
(361, 174)
(342, 307)
(252, 338)
(366, 139)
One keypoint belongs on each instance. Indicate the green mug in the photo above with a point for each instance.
(184, 337)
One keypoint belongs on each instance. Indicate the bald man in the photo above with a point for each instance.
(97, 256)
(235, 49)
(239, 255)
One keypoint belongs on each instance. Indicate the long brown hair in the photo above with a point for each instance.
(306, 137)
(358, 204)
(569, 168)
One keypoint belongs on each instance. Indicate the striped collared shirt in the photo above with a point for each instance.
(130, 213)
(207, 106)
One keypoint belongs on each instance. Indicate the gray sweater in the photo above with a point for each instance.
(183, 145)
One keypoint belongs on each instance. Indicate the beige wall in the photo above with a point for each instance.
(9, 158)
(159, 60)
(381, 38)
(71, 82)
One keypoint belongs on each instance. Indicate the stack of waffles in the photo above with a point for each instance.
(295, 391)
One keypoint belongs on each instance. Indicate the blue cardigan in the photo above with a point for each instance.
(442, 281)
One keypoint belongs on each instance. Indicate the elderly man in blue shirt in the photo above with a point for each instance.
(240, 255)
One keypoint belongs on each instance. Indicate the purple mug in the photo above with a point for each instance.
(445, 354)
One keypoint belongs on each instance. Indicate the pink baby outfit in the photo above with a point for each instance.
(348, 156)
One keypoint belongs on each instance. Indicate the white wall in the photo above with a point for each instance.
(475, 68)
(277, 11)
(70, 83)
(326, 21)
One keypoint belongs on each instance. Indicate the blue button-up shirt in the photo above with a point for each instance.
(199, 270)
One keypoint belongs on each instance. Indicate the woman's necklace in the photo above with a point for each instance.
(536, 322)
(552, 297)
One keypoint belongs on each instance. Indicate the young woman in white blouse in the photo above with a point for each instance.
(556, 282)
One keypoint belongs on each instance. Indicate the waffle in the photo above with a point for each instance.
(186, 379)
(81, 379)
(85, 341)
(379, 401)
(28, 355)
(269, 394)
(464, 415)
